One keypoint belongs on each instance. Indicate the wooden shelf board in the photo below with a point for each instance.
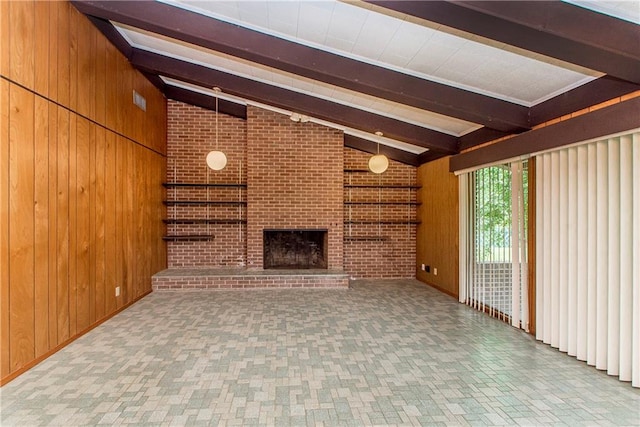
(203, 203)
(204, 221)
(202, 185)
(383, 222)
(413, 187)
(357, 171)
(366, 238)
(382, 203)
(187, 237)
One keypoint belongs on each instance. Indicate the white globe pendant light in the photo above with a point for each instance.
(216, 159)
(378, 163)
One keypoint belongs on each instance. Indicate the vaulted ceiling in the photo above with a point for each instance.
(434, 77)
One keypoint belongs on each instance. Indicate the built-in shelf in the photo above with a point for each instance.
(203, 203)
(188, 237)
(382, 222)
(383, 203)
(202, 185)
(365, 238)
(204, 221)
(413, 187)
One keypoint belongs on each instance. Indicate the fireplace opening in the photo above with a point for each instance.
(295, 249)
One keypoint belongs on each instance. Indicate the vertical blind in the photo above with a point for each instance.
(588, 253)
(493, 257)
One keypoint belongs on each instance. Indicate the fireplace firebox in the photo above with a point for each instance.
(295, 249)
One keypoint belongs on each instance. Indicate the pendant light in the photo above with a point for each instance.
(378, 163)
(216, 159)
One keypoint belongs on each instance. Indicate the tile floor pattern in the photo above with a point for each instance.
(380, 353)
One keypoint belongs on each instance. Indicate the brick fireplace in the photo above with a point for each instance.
(294, 181)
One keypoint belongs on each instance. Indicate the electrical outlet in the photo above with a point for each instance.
(117, 291)
(423, 267)
(435, 271)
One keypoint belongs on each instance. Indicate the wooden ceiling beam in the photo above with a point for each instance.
(312, 63)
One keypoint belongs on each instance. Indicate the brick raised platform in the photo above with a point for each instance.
(225, 279)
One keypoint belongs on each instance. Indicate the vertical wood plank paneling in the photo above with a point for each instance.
(41, 226)
(21, 236)
(74, 18)
(73, 225)
(62, 220)
(63, 53)
(53, 224)
(120, 188)
(51, 43)
(41, 47)
(120, 89)
(92, 223)
(110, 224)
(101, 79)
(5, 40)
(129, 229)
(111, 95)
(100, 236)
(140, 256)
(85, 66)
(22, 46)
(83, 258)
(438, 216)
(5, 367)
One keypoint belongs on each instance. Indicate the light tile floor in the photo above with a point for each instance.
(380, 353)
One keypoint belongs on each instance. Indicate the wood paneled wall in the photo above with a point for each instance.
(81, 169)
(437, 235)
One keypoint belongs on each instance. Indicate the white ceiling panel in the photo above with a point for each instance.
(404, 44)
(215, 60)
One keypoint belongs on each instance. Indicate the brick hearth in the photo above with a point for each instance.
(229, 278)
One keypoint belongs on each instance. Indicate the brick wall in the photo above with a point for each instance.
(378, 240)
(294, 178)
(190, 136)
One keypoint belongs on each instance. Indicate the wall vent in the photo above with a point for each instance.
(140, 101)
